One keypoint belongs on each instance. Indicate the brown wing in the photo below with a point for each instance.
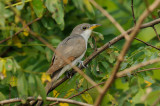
(71, 48)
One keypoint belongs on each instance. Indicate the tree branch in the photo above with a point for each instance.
(105, 13)
(124, 51)
(147, 43)
(156, 32)
(2, 41)
(47, 98)
(134, 20)
(129, 70)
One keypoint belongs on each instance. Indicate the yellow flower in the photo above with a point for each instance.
(63, 104)
(45, 77)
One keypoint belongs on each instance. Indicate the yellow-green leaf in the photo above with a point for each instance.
(40, 88)
(87, 97)
(55, 93)
(38, 7)
(13, 81)
(63, 104)
(69, 93)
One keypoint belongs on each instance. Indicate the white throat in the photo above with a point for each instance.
(86, 34)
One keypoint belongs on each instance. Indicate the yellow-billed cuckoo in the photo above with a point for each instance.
(72, 48)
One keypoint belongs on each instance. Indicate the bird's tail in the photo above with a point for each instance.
(48, 87)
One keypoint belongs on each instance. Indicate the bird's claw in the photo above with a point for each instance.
(81, 63)
(69, 74)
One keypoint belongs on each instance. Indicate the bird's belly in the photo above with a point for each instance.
(68, 67)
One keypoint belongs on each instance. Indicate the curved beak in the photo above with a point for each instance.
(94, 26)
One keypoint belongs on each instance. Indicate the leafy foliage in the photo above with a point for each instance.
(24, 59)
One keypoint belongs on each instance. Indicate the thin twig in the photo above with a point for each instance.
(47, 98)
(105, 13)
(124, 51)
(134, 20)
(22, 29)
(137, 72)
(147, 43)
(129, 70)
(156, 32)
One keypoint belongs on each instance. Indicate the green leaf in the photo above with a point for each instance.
(40, 88)
(48, 54)
(78, 4)
(99, 35)
(4, 14)
(56, 8)
(32, 86)
(156, 74)
(1, 65)
(16, 64)
(137, 97)
(20, 7)
(120, 85)
(9, 64)
(152, 97)
(22, 87)
(87, 97)
(38, 7)
(2, 97)
(90, 12)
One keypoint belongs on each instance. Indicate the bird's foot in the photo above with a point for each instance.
(69, 74)
(81, 63)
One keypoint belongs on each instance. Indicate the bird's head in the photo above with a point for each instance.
(84, 28)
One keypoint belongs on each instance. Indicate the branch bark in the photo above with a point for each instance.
(134, 20)
(129, 70)
(48, 99)
(156, 32)
(147, 43)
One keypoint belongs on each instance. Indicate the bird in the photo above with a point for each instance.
(72, 48)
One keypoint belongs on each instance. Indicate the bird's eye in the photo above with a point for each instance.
(84, 28)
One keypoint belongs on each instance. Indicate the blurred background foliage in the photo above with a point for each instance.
(24, 59)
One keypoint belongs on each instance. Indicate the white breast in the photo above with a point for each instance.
(86, 34)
